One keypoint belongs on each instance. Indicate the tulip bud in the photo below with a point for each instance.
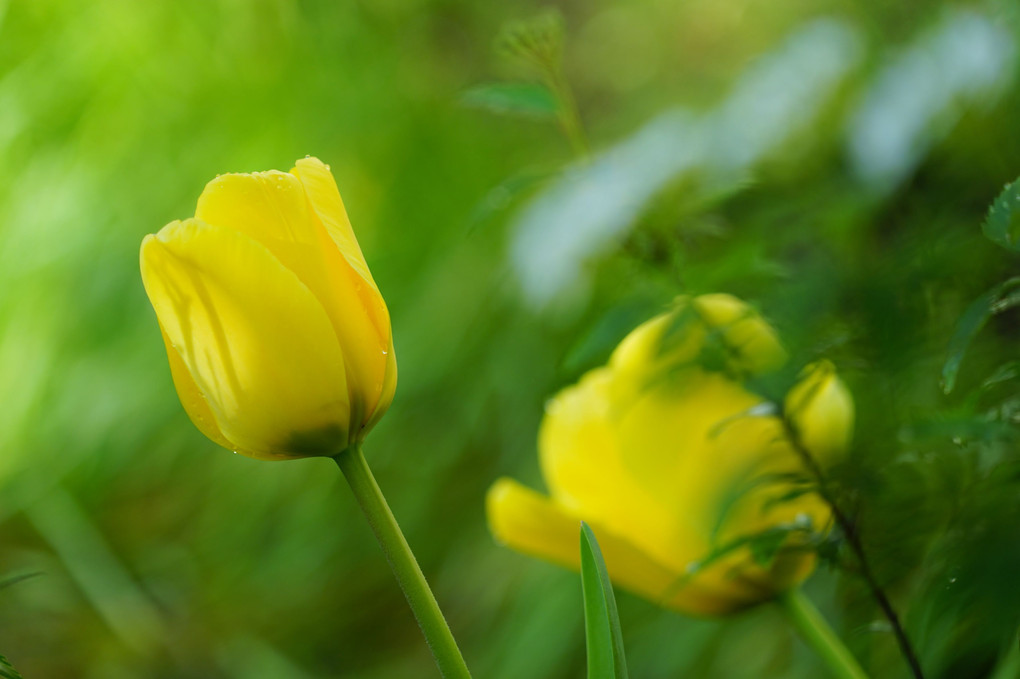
(821, 411)
(278, 338)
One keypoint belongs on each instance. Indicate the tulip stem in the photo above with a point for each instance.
(817, 633)
(403, 564)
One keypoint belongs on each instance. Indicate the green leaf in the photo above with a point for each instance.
(529, 100)
(601, 619)
(503, 195)
(7, 671)
(1004, 373)
(996, 300)
(1002, 225)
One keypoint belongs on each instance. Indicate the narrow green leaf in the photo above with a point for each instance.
(601, 620)
(15, 579)
(1002, 225)
(995, 301)
(1004, 373)
(529, 100)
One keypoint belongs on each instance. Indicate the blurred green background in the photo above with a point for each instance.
(829, 161)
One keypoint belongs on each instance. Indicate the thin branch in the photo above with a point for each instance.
(853, 538)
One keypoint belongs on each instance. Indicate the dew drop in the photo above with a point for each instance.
(329, 168)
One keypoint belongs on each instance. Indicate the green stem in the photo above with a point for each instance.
(403, 564)
(569, 117)
(817, 633)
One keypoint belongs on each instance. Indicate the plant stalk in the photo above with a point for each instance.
(403, 564)
(853, 538)
(817, 633)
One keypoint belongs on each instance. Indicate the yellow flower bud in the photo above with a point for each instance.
(278, 338)
(670, 473)
(821, 411)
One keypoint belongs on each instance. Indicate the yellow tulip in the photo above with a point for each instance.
(669, 457)
(278, 338)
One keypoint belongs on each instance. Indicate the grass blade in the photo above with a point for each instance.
(601, 620)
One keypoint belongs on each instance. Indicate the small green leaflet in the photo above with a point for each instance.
(998, 299)
(529, 100)
(601, 619)
(1002, 225)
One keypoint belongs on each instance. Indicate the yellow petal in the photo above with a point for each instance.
(582, 464)
(676, 338)
(191, 398)
(258, 345)
(688, 444)
(273, 209)
(719, 472)
(643, 352)
(325, 198)
(530, 523)
(753, 343)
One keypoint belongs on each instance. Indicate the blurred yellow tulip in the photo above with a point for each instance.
(278, 338)
(668, 457)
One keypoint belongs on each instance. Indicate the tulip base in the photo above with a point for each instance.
(403, 564)
(817, 633)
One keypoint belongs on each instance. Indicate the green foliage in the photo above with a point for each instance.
(1000, 298)
(606, 659)
(168, 557)
(1002, 225)
(7, 670)
(529, 100)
